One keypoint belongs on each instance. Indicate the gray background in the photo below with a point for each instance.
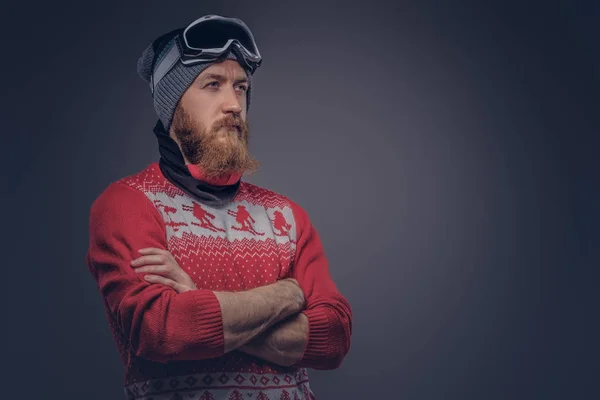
(445, 152)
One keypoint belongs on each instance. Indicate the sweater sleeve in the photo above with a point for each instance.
(160, 324)
(328, 312)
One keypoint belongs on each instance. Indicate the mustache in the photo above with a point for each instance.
(230, 121)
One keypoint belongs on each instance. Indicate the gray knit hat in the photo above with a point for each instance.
(173, 85)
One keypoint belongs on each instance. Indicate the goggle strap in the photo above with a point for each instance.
(164, 66)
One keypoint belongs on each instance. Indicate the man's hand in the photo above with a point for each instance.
(162, 268)
(284, 344)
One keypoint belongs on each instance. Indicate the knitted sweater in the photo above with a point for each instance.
(172, 345)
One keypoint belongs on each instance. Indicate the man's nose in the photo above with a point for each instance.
(231, 102)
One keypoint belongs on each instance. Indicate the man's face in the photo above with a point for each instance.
(209, 123)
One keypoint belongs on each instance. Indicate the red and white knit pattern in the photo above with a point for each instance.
(171, 344)
(249, 243)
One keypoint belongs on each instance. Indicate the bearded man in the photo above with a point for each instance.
(214, 288)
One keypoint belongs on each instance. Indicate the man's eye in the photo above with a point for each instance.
(213, 84)
(243, 88)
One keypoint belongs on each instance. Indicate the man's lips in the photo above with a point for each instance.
(235, 128)
(229, 127)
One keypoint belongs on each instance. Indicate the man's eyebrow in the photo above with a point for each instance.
(221, 78)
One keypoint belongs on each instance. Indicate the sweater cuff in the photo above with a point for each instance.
(318, 332)
(209, 321)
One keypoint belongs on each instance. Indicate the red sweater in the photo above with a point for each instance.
(173, 343)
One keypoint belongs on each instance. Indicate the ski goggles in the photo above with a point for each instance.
(205, 40)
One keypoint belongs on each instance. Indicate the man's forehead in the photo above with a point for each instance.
(229, 69)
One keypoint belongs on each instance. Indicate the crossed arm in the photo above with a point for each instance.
(303, 321)
(284, 344)
(265, 322)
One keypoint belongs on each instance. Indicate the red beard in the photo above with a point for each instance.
(222, 150)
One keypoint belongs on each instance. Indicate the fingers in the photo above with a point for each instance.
(149, 260)
(155, 269)
(153, 250)
(164, 267)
